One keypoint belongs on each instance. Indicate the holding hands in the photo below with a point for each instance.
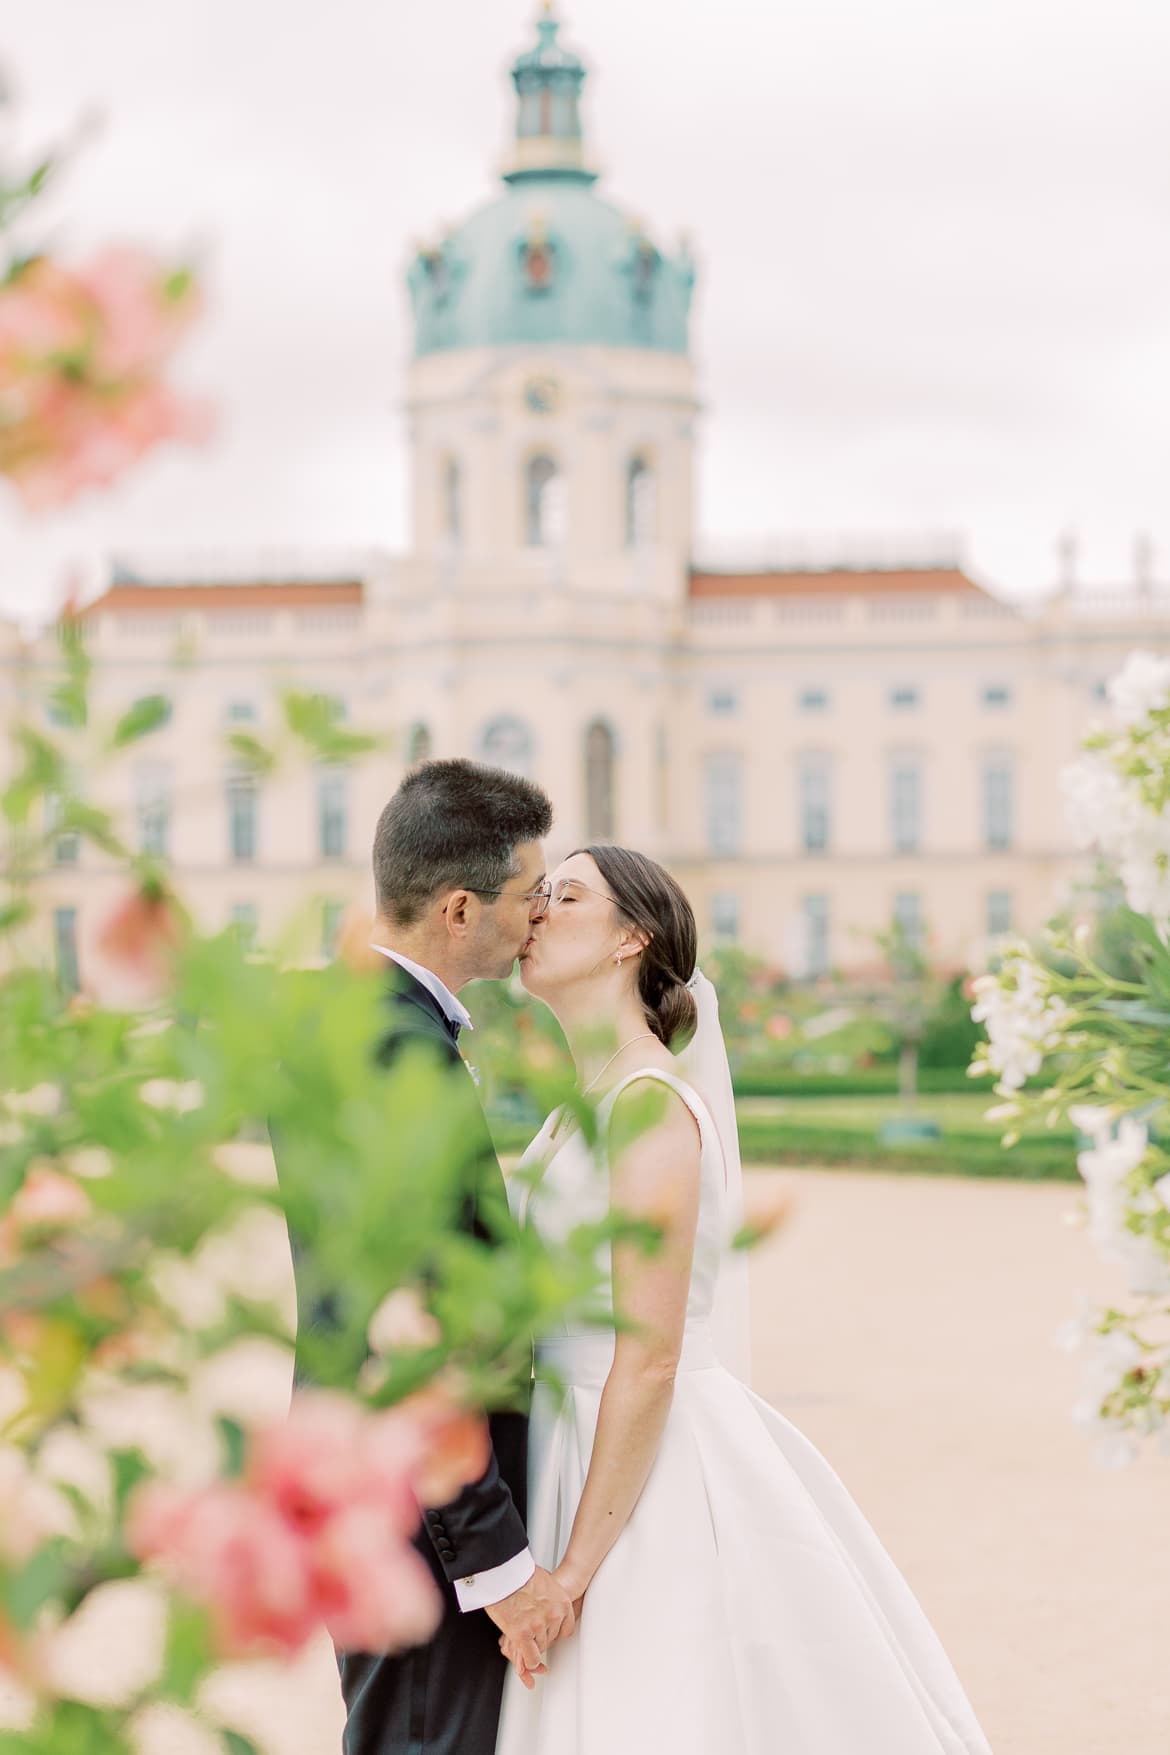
(533, 1618)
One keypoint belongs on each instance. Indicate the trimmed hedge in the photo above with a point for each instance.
(1044, 1158)
(871, 1081)
(1047, 1157)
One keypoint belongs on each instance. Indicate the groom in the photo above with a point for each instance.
(459, 881)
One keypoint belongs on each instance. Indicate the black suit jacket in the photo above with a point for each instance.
(442, 1698)
(484, 1526)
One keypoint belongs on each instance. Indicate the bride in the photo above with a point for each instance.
(730, 1595)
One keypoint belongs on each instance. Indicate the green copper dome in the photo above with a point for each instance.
(550, 261)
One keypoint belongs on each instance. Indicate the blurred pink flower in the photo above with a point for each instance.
(374, 1593)
(330, 1455)
(81, 359)
(319, 1527)
(228, 1550)
(47, 1200)
(457, 1446)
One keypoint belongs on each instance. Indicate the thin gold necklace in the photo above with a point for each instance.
(646, 1036)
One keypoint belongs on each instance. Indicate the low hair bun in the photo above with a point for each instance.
(675, 1017)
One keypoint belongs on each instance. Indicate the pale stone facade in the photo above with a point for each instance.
(812, 752)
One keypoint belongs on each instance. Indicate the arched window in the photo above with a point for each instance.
(641, 503)
(600, 751)
(544, 502)
(452, 502)
(418, 744)
(506, 742)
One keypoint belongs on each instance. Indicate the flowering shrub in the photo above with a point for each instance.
(1100, 1039)
(143, 1260)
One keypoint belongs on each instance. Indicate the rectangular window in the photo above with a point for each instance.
(240, 713)
(998, 802)
(246, 923)
(904, 697)
(905, 803)
(813, 700)
(724, 775)
(908, 916)
(66, 847)
(65, 949)
(332, 914)
(722, 701)
(814, 788)
(332, 814)
(725, 917)
(814, 915)
(152, 807)
(997, 695)
(999, 912)
(242, 814)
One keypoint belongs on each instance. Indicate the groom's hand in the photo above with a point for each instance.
(533, 1618)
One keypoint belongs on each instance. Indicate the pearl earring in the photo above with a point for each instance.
(618, 959)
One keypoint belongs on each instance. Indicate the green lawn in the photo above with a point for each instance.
(962, 1112)
(842, 1131)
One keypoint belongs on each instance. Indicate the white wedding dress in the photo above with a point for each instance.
(747, 1608)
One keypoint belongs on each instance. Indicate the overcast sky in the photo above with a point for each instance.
(933, 235)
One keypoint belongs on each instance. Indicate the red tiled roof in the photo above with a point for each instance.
(836, 582)
(132, 596)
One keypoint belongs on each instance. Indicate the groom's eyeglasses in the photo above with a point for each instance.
(537, 899)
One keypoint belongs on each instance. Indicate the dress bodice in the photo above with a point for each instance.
(561, 1183)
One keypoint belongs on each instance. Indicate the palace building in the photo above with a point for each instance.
(813, 751)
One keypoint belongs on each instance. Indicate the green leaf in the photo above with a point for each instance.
(236, 1743)
(129, 1467)
(234, 1444)
(25, 1591)
(190, 1651)
(14, 914)
(140, 720)
(1135, 1011)
(251, 753)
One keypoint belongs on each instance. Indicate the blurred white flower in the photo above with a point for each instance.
(1162, 1190)
(1116, 1451)
(402, 1322)
(1024, 1019)
(1074, 1334)
(1109, 1160)
(1091, 1118)
(40, 1100)
(1140, 688)
(180, 1095)
(1099, 808)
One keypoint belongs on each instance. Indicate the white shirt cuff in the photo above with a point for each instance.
(484, 1588)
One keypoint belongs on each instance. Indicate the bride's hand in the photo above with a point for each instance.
(575, 1586)
(526, 1675)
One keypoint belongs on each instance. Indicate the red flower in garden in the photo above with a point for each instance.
(82, 353)
(138, 941)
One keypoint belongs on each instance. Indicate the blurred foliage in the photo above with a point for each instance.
(132, 1187)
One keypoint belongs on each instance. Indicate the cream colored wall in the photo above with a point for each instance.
(454, 659)
(608, 405)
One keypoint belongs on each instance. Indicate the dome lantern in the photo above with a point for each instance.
(548, 80)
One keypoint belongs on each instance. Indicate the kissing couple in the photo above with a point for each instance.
(654, 1559)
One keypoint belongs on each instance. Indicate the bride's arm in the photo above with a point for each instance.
(656, 1177)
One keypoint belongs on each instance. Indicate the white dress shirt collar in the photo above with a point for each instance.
(452, 1008)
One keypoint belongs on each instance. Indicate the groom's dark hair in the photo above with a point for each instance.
(453, 825)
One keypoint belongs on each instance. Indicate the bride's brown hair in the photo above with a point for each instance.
(652, 902)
